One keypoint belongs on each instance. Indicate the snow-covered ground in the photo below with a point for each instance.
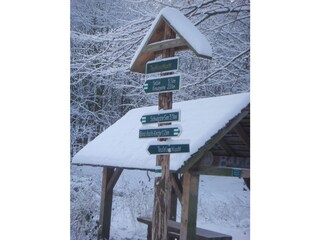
(223, 205)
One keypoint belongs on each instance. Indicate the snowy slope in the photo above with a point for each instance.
(223, 206)
(120, 146)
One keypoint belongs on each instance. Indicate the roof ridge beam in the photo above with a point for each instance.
(165, 44)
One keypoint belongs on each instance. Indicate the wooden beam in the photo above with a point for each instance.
(173, 208)
(247, 182)
(231, 162)
(214, 140)
(173, 205)
(114, 178)
(242, 134)
(189, 206)
(106, 205)
(220, 171)
(226, 147)
(177, 187)
(165, 44)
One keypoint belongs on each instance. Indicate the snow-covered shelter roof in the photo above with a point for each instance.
(120, 146)
(189, 38)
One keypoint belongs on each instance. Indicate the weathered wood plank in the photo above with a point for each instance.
(106, 205)
(219, 171)
(239, 147)
(243, 153)
(243, 135)
(201, 234)
(176, 185)
(247, 181)
(231, 162)
(114, 178)
(206, 160)
(232, 140)
(189, 206)
(165, 44)
(173, 207)
(217, 152)
(225, 147)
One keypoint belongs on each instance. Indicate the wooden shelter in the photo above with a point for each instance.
(218, 129)
(225, 153)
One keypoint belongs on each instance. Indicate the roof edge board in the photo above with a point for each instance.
(110, 166)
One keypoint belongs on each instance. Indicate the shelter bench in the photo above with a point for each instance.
(174, 231)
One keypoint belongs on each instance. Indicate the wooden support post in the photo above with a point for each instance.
(161, 207)
(176, 186)
(247, 182)
(173, 204)
(173, 207)
(109, 179)
(189, 206)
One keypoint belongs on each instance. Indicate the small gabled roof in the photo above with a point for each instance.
(120, 146)
(189, 37)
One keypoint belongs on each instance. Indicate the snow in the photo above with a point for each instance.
(120, 146)
(181, 25)
(188, 31)
(223, 204)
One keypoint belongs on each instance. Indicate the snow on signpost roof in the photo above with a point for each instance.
(185, 29)
(120, 146)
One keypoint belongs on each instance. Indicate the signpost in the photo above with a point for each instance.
(162, 84)
(169, 148)
(161, 117)
(160, 132)
(163, 65)
(163, 40)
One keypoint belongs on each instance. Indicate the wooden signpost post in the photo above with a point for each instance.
(162, 39)
(161, 207)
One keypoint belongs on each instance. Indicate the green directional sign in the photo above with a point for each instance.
(169, 148)
(160, 132)
(162, 84)
(161, 117)
(236, 172)
(163, 65)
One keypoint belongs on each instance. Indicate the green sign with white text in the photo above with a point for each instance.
(163, 65)
(160, 132)
(169, 148)
(162, 84)
(161, 117)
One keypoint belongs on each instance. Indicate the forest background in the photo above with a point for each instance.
(35, 141)
(105, 35)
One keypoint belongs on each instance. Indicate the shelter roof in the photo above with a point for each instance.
(201, 119)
